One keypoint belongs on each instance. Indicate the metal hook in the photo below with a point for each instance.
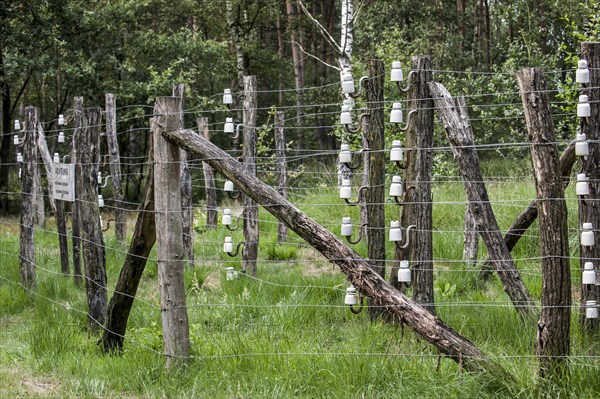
(356, 129)
(360, 86)
(360, 235)
(65, 158)
(233, 196)
(405, 89)
(237, 250)
(105, 181)
(360, 300)
(351, 203)
(408, 229)
(108, 224)
(237, 224)
(406, 163)
(408, 120)
(237, 131)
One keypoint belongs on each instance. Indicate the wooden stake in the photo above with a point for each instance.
(250, 214)
(554, 323)
(92, 243)
(282, 182)
(170, 253)
(453, 113)
(27, 230)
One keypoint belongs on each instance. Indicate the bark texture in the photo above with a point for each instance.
(168, 217)
(115, 168)
(282, 182)
(76, 226)
(92, 240)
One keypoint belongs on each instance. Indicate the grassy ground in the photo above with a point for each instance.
(286, 333)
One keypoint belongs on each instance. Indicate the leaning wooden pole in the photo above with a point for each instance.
(368, 282)
(115, 168)
(169, 227)
(554, 322)
(589, 210)
(250, 214)
(453, 113)
(27, 229)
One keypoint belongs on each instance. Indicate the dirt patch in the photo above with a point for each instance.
(40, 387)
(315, 264)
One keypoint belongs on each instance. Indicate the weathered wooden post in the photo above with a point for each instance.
(169, 226)
(375, 193)
(27, 230)
(554, 322)
(75, 221)
(250, 214)
(42, 146)
(186, 187)
(471, 238)
(282, 183)
(589, 210)
(209, 180)
(87, 143)
(418, 209)
(115, 168)
(454, 116)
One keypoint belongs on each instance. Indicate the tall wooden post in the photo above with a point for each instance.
(209, 180)
(471, 238)
(454, 116)
(27, 230)
(169, 226)
(374, 194)
(282, 182)
(250, 214)
(75, 221)
(553, 325)
(589, 211)
(92, 239)
(115, 168)
(186, 186)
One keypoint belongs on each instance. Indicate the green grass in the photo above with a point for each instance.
(282, 335)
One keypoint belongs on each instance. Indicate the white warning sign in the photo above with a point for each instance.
(64, 181)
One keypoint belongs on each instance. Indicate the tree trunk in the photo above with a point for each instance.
(92, 240)
(453, 113)
(170, 251)
(375, 194)
(27, 231)
(359, 271)
(589, 211)
(209, 180)
(250, 214)
(115, 168)
(553, 325)
(142, 241)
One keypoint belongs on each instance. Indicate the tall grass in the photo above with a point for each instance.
(286, 333)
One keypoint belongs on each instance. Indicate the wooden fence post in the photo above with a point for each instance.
(553, 325)
(454, 116)
(589, 211)
(169, 226)
(250, 214)
(186, 186)
(92, 245)
(27, 230)
(212, 215)
(471, 237)
(115, 168)
(282, 182)
(75, 221)
(358, 270)
(375, 193)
